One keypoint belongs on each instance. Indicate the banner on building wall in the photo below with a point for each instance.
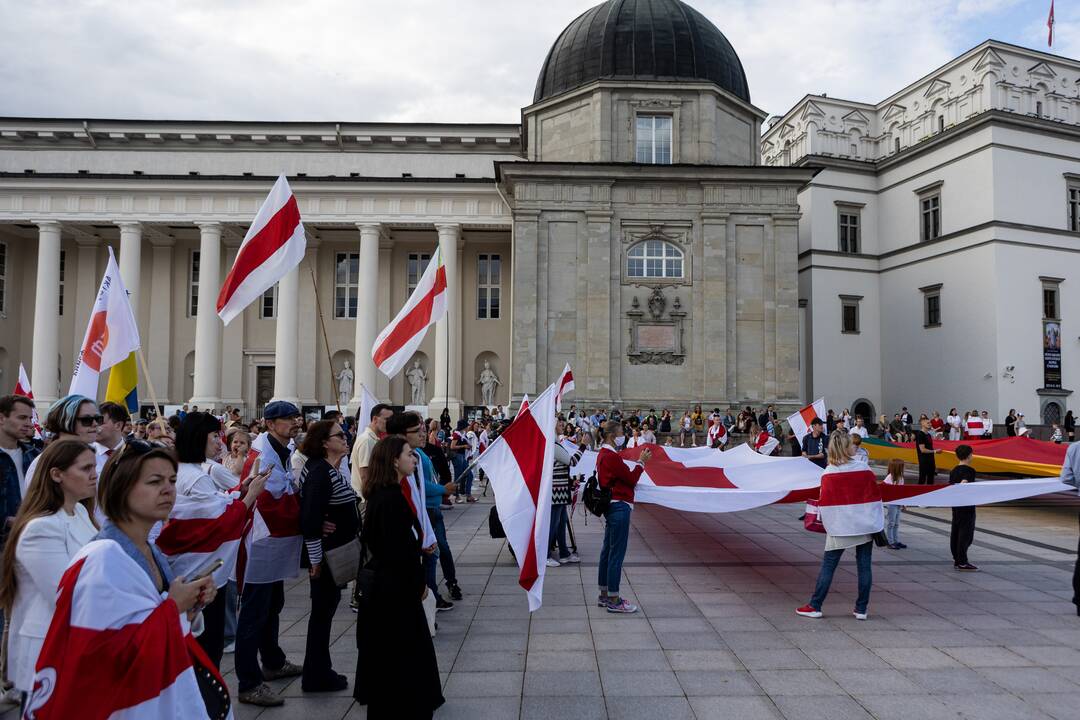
(1051, 354)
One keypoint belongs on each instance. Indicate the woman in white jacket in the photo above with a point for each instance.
(51, 526)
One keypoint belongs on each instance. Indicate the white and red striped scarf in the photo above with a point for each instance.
(717, 434)
(270, 550)
(117, 649)
(850, 500)
(201, 528)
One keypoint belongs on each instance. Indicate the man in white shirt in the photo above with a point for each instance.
(365, 443)
(110, 439)
(988, 425)
(859, 429)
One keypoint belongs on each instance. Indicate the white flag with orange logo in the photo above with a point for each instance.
(111, 334)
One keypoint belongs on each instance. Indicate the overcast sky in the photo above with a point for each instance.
(448, 60)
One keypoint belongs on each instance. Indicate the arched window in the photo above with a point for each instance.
(654, 259)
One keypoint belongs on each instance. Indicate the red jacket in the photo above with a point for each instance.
(612, 472)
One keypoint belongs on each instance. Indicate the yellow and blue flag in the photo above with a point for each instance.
(123, 384)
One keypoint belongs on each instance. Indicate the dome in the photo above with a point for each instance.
(641, 40)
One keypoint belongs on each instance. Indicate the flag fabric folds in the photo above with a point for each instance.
(22, 387)
(274, 244)
(123, 384)
(399, 340)
(849, 501)
(367, 404)
(1020, 456)
(114, 648)
(519, 465)
(111, 335)
(202, 528)
(270, 548)
(800, 421)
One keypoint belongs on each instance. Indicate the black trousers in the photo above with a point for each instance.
(963, 533)
(927, 472)
(212, 639)
(325, 596)
(257, 624)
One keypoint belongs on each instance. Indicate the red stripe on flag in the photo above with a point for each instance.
(281, 515)
(416, 320)
(527, 443)
(808, 414)
(853, 487)
(203, 535)
(665, 472)
(256, 251)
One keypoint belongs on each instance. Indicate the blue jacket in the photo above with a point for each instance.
(10, 492)
(433, 491)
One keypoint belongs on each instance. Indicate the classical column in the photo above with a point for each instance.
(86, 282)
(131, 260)
(158, 341)
(232, 338)
(448, 357)
(367, 318)
(45, 360)
(207, 385)
(286, 341)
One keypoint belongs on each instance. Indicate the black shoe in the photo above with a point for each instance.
(334, 683)
(454, 589)
(900, 545)
(967, 567)
(441, 604)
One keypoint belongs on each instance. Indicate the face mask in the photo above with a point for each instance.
(620, 441)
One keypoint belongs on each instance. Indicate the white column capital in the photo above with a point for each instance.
(128, 225)
(448, 229)
(371, 229)
(208, 226)
(46, 225)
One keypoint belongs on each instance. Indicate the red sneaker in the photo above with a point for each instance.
(808, 611)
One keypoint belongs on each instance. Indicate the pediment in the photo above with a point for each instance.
(811, 110)
(856, 117)
(787, 129)
(989, 59)
(893, 111)
(1043, 70)
(937, 87)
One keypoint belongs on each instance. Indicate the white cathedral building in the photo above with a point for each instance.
(638, 224)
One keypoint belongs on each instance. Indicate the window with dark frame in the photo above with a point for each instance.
(654, 259)
(849, 231)
(1038, 108)
(488, 286)
(930, 210)
(1074, 208)
(931, 305)
(346, 285)
(849, 314)
(653, 139)
(268, 303)
(896, 144)
(941, 123)
(1050, 303)
(417, 264)
(193, 284)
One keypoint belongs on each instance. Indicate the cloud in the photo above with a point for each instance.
(423, 60)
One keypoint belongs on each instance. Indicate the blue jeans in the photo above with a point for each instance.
(828, 567)
(257, 632)
(616, 537)
(446, 558)
(892, 523)
(462, 478)
(559, 518)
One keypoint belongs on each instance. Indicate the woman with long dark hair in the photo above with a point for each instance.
(402, 681)
(51, 526)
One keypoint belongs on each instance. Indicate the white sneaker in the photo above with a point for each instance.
(552, 562)
(860, 616)
(573, 558)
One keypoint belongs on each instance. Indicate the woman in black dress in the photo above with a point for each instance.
(401, 678)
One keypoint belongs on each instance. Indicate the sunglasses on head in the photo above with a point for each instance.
(90, 420)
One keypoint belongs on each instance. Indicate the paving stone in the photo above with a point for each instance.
(703, 660)
(562, 683)
(489, 661)
(1050, 656)
(561, 660)
(908, 707)
(783, 659)
(992, 707)
(503, 708)
(833, 707)
(951, 681)
(632, 660)
(648, 708)
(796, 682)
(988, 657)
(575, 708)
(1029, 680)
(916, 658)
(737, 707)
(875, 681)
(620, 683)
(718, 682)
(483, 684)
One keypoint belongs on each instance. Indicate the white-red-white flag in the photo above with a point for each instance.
(22, 387)
(564, 385)
(111, 333)
(427, 305)
(1050, 26)
(274, 244)
(800, 421)
(519, 465)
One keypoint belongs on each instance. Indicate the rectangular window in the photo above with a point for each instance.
(63, 272)
(418, 263)
(653, 139)
(849, 232)
(1038, 108)
(346, 285)
(931, 305)
(1074, 209)
(849, 314)
(930, 211)
(193, 284)
(268, 304)
(3, 277)
(488, 286)
(941, 123)
(1050, 303)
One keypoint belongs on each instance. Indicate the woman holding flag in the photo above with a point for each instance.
(851, 511)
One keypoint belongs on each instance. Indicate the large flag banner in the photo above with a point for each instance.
(1019, 456)
(22, 387)
(705, 480)
(800, 421)
(367, 403)
(519, 465)
(426, 306)
(274, 244)
(123, 384)
(111, 334)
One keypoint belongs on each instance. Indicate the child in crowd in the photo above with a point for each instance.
(1056, 435)
(895, 476)
(963, 518)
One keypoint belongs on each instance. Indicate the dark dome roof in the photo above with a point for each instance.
(640, 40)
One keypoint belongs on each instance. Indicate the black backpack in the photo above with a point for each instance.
(596, 497)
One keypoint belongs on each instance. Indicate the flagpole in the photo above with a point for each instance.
(326, 341)
(149, 382)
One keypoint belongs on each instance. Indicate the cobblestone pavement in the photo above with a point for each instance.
(717, 636)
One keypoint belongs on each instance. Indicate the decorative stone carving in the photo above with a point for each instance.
(656, 340)
(417, 383)
(657, 303)
(345, 384)
(489, 383)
